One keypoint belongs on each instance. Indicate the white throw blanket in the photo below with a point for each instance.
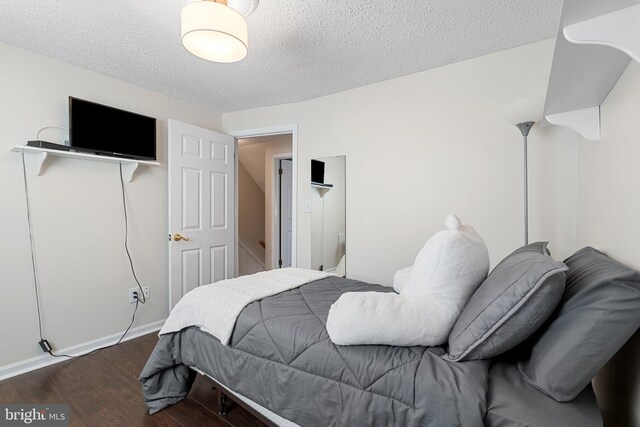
(216, 307)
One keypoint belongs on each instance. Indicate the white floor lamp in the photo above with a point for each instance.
(524, 113)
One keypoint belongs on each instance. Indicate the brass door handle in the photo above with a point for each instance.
(177, 237)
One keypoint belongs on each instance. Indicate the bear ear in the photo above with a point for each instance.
(452, 222)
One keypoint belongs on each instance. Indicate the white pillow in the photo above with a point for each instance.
(401, 278)
(448, 269)
(454, 256)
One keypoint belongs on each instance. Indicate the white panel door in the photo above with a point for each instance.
(201, 208)
(286, 211)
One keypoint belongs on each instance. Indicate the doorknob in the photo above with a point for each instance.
(177, 237)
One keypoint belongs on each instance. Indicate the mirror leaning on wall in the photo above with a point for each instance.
(328, 215)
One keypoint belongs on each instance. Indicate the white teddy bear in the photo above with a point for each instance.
(446, 272)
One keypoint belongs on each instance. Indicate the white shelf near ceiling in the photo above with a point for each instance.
(129, 166)
(596, 41)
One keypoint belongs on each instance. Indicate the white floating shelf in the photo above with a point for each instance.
(322, 188)
(618, 30)
(586, 122)
(129, 166)
(313, 184)
(596, 41)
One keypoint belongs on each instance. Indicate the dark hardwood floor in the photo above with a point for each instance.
(102, 389)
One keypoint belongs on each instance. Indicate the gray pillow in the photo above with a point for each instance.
(515, 300)
(599, 312)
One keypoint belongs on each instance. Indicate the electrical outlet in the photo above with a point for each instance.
(146, 292)
(132, 298)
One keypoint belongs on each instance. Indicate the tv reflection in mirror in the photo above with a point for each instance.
(328, 215)
(317, 173)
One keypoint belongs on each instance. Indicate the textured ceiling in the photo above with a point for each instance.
(298, 50)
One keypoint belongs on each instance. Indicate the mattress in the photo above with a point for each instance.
(507, 392)
(280, 358)
(513, 402)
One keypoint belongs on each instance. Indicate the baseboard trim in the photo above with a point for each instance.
(38, 362)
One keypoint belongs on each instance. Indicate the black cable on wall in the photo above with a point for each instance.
(140, 299)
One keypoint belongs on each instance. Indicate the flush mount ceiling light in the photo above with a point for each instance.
(216, 30)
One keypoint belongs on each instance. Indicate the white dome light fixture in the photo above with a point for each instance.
(215, 31)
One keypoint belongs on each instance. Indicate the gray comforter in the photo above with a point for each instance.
(280, 356)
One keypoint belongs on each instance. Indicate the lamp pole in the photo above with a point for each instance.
(525, 127)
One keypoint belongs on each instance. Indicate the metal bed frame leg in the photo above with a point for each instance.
(223, 403)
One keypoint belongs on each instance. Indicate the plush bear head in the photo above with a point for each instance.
(450, 266)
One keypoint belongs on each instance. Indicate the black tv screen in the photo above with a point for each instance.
(317, 171)
(99, 129)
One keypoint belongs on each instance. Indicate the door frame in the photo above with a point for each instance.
(269, 131)
(275, 197)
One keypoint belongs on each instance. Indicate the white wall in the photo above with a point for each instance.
(425, 145)
(77, 212)
(607, 219)
(251, 221)
(251, 156)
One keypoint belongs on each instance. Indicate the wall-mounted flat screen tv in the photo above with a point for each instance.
(104, 130)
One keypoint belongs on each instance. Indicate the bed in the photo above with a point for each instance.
(280, 358)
